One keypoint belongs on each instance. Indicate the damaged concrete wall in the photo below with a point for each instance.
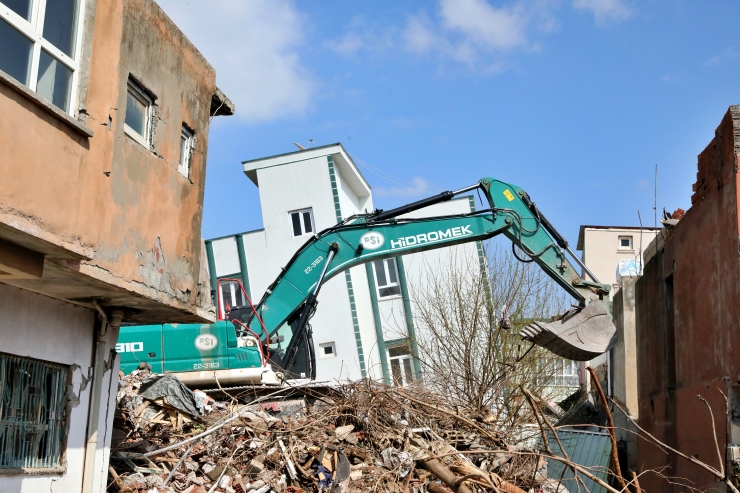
(115, 211)
(687, 314)
(624, 370)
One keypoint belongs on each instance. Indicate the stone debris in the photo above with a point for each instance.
(358, 437)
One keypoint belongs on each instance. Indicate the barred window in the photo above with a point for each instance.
(32, 412)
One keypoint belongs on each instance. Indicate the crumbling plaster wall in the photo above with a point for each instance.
(60, 332)
(106, 197)
(687, 315)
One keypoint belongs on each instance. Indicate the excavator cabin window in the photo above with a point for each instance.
(386, 274)
(231, 295)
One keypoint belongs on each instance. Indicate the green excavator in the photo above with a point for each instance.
(239, 347)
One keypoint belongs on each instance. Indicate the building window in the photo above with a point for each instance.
(186, 149)
(301, 222)
(387, 276)
(40, 41)
(32, 412)
(401, 361)
(327, 350)
(138, 121)
(558, 372)
(625, 243)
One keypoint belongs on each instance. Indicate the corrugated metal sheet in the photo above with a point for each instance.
(591, 450)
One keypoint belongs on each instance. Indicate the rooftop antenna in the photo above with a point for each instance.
(655, 199)
(639, 254)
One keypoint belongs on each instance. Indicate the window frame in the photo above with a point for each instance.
(134, 87)
(389, 283)
(401, 358)
(33, 30)
(301, 219)
(183, 165)
(622, 237)
(323, 355)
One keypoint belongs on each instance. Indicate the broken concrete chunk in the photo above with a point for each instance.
(254, 467)
(345, 433)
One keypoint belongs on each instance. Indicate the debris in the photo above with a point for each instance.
(360, 437)
(171, 392)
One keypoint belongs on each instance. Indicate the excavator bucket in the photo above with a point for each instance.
(579, 336)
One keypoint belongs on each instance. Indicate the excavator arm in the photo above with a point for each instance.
(290, 300)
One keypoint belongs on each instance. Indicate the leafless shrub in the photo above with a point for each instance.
(465, 352)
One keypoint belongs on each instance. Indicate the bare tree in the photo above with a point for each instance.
(464, 350)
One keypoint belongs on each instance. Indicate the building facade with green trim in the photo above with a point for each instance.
(364, 325)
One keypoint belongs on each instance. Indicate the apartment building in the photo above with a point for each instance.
(104, 118)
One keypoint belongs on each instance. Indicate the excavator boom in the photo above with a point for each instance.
(363, 238)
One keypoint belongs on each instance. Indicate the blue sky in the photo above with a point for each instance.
(576, 101)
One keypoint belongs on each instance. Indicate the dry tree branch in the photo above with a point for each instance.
(699, 463)
(612, 435)
(714, 434)
(579, 468)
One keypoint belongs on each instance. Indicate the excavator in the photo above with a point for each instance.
(240, 347)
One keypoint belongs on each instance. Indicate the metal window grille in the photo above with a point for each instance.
(32, 412)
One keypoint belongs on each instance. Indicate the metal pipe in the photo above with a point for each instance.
(332, 250)
(419, 204)
(98, 369)
(583, 266)
(466, 189)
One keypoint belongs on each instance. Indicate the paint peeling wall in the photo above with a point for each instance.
(49, 326)
(687, 315)
(107, 198)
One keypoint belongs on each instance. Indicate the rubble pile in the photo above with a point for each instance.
(359, 437)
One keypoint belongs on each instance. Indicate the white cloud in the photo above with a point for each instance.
(722, 57)
(477, 33)
(359, 36)
(605, 10)
(417, 186)
(254, 48)
(484, 25)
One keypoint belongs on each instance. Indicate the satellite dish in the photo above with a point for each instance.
(299, 146)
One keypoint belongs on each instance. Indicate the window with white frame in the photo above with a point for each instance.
(401, 360)
(138, 120)
(33, 401)
(186, 149)
(558, 372)
(39, 46)
(327, 350)
(301, 222)
(386, 275)
(625, 243)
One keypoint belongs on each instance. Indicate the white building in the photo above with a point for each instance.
(604, 246)
(364, 322)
